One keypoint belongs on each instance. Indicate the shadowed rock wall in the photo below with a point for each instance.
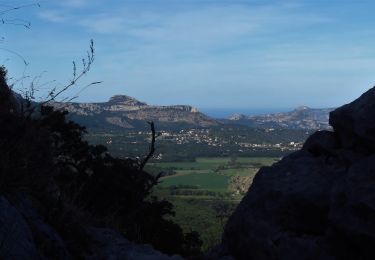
(317, 203)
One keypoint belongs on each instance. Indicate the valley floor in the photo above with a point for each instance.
(206, 191)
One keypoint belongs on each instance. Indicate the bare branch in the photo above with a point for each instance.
(17, 22)
(16, 54)
(152, 146)
(84, 88)
(13, 8)
(54, 93)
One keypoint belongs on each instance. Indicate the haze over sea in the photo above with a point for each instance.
(226, 112)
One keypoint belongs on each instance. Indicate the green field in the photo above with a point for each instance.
(196, 188)
(203, 180)
(199, 215)
(197, 165)
(211, 173)
(242, 160)
(204, 163)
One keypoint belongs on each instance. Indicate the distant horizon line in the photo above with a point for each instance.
(247, 111)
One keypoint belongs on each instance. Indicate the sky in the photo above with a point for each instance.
(235, 55)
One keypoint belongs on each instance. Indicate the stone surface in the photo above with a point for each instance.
(112, 245)
(354, 123)
(317, 203)
(24, 235)
(16, 240)
(48, 241)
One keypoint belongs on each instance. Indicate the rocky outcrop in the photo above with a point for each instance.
(125, 100)
(109, 244)
(237, 117)
(16, 240)
(354, 123)
(48, 242)
(317, 203)
(240, 184)
(24, 234)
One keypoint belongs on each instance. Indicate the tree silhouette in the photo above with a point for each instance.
(46, 156)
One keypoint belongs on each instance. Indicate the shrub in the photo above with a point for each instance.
(46, 156)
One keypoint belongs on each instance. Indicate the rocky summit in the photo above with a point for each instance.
(317, 203)
(125, 100)
(127, 112)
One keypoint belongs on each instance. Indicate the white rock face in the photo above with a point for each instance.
(236, 117)
(120, 110)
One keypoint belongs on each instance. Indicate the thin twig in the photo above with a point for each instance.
(13, 8)
(152, 146)
(86, 67)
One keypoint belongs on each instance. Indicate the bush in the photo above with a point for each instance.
(45, 156)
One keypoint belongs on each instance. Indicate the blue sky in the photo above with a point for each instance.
(210, 54)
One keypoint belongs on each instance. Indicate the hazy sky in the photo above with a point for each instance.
(232, 54)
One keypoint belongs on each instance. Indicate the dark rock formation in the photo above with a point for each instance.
(109, 244)
(25, 235)
(354, 123)
(47, 240)
(16, 240)
(317, 203)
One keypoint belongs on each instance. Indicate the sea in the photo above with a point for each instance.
(226, 112)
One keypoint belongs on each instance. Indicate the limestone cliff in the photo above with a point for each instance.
(127, 112)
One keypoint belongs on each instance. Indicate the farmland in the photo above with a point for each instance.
(212, 174)
(207, 190)
(205, 171)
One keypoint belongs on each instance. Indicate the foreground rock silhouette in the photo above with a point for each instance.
(317, 203)
(25, 235)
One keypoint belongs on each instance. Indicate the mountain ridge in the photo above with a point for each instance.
(127, 112)
(302, 117)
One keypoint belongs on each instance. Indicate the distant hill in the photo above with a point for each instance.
(122, 111)
(300, 118)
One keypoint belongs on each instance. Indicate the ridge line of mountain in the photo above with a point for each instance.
(128, 112)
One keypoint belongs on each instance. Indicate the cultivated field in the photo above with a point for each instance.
(205, 192)
(212, 174)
